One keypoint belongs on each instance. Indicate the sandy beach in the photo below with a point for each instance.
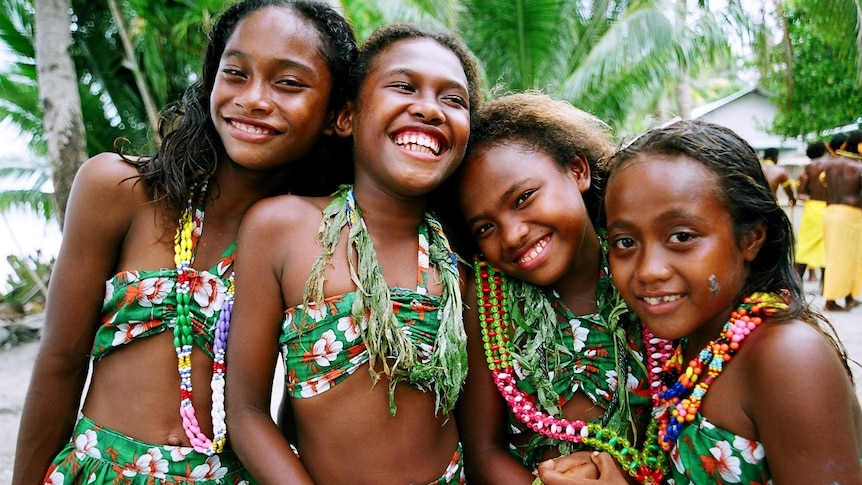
(16, 365)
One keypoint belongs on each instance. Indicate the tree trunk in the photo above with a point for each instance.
(58, 93)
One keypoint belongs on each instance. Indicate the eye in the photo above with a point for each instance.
(402, 86)
(291, 83)
(480, 230)
(682, 237)
(622, 242)
(233, 73)
(522, 199)
(457, 100)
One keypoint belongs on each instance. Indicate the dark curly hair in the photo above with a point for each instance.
(385, 36)
(537, 121)
(191, 148)
(534, 121)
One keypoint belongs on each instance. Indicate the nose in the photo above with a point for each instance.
(653, 265)
(514, 233)
(427, 108)
(255, 95)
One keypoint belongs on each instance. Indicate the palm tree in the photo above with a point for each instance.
(130, 60)
(615, 59)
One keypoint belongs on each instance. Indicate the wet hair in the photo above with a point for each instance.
(539, 122)
(815, 150)
(191, 148)
(743, 190)
(770, 154)
(385, 36)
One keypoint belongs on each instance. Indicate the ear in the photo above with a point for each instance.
(344, 120)
(752, 241)
(579, 169)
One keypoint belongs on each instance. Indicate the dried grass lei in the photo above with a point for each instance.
(446, 369)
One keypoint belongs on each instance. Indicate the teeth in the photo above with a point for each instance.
(537, 250)
(418, 142)
(661, 299)
(246, 128)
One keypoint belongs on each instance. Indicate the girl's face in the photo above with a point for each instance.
(526, 211)
(411, 120)
(673, 252)
(271, 94)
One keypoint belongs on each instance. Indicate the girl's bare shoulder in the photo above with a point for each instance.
(290, 210)
(790, 353)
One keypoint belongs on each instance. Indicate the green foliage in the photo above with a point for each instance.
(27, 283)
(825, 93)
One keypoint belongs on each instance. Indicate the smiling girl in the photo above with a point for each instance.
(142, 288)
(361, 289)
(756, 391)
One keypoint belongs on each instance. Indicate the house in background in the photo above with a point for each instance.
(750, 113)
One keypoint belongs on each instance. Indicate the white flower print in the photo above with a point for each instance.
(210, 470)
(314, 387)
(314, 312)
(580, 334)
(178, 453)
(632, 382)
(150, 463)
(326, 349)
(208, 292)
(85, 445)
(152, 291)
(126, 332)
(725, 463)
(56, 478)
(348, 328)
(751, 451)
(109, 292)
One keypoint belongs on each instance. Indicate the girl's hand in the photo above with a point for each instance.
(582, 468)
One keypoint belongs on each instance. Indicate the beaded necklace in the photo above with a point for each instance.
(681, 395)
(385, 339)
(646, 466)
(183, 328)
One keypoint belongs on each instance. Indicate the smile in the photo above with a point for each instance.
(535, 251)
(418, 142)
(251, 129)
(660, 299)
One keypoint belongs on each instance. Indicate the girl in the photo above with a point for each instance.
(755, 391)
(553, 332)
(372, 340)
(271, 85)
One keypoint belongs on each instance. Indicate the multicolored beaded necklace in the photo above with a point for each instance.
(677, 404)
(183, 328)
(647, 466)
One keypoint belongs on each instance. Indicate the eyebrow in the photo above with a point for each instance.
(283, 63)
(449, 83)
(664, 216)
(514, 187)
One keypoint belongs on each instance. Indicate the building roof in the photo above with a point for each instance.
(749, 113)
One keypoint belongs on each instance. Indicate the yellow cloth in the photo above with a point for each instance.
(842, 234)
(810, 249)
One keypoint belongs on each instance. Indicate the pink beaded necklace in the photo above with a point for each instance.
(183, 329)
(648, 466)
